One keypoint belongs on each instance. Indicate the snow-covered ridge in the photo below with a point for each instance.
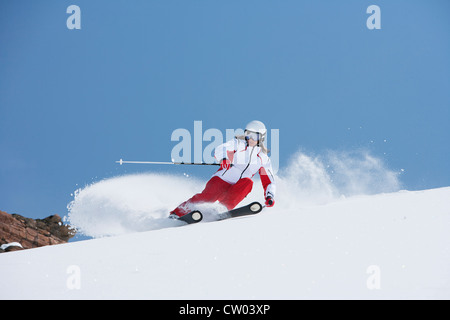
(385, 246)
(339, 230)
(11, 244)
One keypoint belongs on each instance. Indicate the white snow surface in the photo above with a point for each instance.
(316, 243)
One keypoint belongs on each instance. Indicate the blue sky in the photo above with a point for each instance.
(74, 101)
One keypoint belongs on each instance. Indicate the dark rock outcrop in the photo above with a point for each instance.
(32, 233)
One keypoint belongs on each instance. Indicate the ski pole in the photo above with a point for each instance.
(121, 161)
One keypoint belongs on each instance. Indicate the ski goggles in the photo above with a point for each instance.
(251, 135)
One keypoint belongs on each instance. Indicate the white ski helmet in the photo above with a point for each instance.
(258, 127)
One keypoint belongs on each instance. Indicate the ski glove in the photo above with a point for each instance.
(225, 164)
(269, 201)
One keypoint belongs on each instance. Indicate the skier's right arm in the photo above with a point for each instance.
(226, 151)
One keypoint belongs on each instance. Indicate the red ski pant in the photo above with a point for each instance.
(218, 190)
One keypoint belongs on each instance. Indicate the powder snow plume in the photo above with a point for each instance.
(141, 202)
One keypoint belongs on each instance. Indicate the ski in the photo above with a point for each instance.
(197, 216)
(252, 208)
(192, 217)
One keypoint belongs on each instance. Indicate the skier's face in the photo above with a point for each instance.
(252, 142)
(252, 138)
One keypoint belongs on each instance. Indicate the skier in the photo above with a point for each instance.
(240, 159)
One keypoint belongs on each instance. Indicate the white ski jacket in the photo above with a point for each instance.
(245, 163)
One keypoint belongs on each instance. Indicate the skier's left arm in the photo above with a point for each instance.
(268, 181)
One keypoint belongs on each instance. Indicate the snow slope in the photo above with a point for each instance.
(315, 243)
(322, 251)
